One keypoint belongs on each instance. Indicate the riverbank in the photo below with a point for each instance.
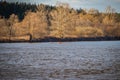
(54, 39)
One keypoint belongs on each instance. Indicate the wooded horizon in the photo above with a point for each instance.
(60, 21)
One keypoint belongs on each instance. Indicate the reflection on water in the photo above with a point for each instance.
(66, 61)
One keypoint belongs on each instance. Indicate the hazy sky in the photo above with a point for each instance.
(98, 4)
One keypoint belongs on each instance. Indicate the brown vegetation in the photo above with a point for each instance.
(60, 21)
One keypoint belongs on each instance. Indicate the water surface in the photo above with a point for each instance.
(99, 60)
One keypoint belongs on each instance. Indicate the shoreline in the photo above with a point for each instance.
(54, 39)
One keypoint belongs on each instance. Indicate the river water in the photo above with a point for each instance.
(97, 60)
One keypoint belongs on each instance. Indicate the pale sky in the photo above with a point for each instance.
(97, 4)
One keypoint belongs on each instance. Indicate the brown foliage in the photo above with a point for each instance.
(89, 32)
(62, 22)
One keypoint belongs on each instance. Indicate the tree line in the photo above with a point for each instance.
(60, 21)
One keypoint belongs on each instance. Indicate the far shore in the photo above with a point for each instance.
(54, 39)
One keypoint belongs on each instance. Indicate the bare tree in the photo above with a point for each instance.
(12, 20)
(59, 21)
(110, 12)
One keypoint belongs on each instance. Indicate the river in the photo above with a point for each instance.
(95, 60)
